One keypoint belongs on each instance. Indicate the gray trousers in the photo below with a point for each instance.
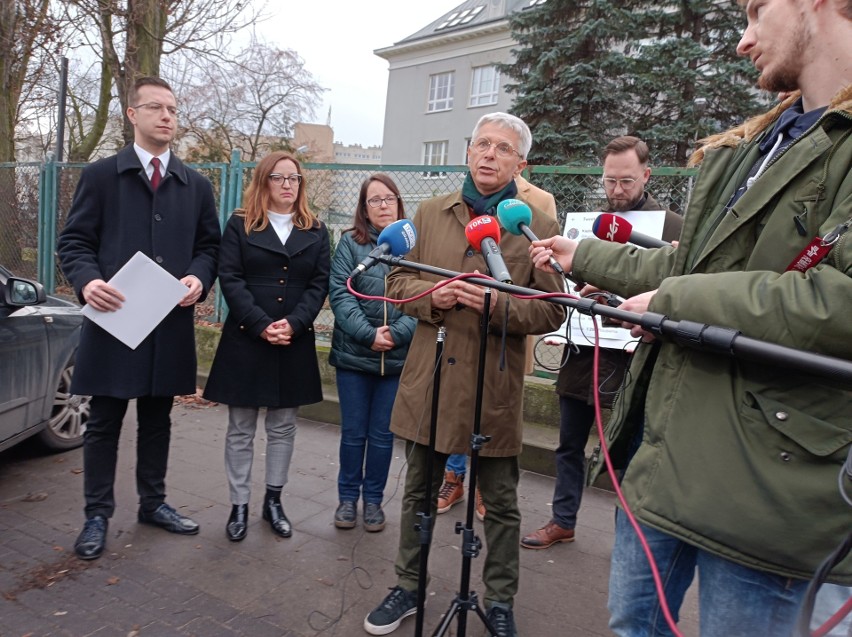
(239, 448)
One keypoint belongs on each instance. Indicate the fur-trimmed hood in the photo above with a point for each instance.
(749, 129)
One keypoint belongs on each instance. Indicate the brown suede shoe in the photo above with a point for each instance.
(547, 536)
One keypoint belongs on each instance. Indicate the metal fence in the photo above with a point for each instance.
(35, 199)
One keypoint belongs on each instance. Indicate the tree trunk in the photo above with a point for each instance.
(146, 29)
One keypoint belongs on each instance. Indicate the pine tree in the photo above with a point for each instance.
(692, 56)
(568, 70)
(587, 70)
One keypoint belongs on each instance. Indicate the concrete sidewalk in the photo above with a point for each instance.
(322, 581)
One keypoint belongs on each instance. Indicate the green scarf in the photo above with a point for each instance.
(485, 204)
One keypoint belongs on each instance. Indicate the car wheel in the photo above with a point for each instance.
(69, 415)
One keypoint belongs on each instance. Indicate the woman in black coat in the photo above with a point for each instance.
(273, 271)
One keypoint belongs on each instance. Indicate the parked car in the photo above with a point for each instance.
(38, 339)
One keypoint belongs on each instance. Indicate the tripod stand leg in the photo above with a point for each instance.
(466, 600)
(460, 608)
(424, 528)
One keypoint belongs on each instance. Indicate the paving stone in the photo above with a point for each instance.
(161, 585)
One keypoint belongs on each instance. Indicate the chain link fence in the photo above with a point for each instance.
(35, 199)
(20, 193)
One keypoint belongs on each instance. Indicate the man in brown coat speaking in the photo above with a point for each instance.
(496, 155)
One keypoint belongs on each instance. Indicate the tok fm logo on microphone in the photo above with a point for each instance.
(613, 230)
(481, 221)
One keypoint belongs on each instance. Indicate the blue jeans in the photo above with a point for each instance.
(366, 443)
(457, 463)
(734, 600)
(576, 419)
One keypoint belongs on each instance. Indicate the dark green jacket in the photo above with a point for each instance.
(356, 321)
(742, 458)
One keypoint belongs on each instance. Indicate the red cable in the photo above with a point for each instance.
(834, 620)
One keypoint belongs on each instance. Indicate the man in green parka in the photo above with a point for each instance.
(736, 472)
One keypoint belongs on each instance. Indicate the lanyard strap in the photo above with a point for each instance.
(817, 250)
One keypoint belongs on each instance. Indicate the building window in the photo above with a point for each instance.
(441, 89)
(460, 17)
(435, 154)
(484, 86)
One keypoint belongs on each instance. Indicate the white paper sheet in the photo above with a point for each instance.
(150, 294)
(578, 225)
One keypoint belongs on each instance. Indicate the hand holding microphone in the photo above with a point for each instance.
(560, 248)
(397, 239)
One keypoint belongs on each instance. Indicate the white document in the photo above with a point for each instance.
(150, 293)
(578, 225)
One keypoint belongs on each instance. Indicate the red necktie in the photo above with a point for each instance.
(155, 176)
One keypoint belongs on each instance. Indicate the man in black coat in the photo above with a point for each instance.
(144, 199)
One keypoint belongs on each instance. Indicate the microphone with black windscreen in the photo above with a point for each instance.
(516, 216)
(397, 239)
(610, 227)
(483, 233)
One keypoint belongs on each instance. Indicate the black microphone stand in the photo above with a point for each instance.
(427, 521)
(716, 339)
(467, 600)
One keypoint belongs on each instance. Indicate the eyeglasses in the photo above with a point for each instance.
(503, 149)
(626, 183)
(277, 178)
(156, 107)
(376, 202)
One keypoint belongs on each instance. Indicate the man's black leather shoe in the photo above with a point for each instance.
(167, 518)
(237, 523)
(273, 513)
(92, 539)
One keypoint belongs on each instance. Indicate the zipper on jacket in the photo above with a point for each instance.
(384, 322)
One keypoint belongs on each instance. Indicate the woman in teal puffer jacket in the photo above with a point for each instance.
(368, 349)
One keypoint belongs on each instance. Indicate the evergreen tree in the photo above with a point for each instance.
(568, 71)
(587, 70)
(691, 56)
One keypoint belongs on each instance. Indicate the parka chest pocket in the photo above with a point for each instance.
(802, 432)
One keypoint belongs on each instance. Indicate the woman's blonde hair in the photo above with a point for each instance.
(257, 197)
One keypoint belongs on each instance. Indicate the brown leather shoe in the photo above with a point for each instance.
(451, 492)
(547, 536)
(480, 506)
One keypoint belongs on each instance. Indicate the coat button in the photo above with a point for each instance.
(451, 361)
(280, 300)
(242, 327)
(284, 268)
(786, 456)
(158, 217)
(159, 259)
(469, 252)
(782, 415)
(282, 281)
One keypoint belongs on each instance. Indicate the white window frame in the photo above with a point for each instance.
(441, 92)
(484, 85)
(435, 153)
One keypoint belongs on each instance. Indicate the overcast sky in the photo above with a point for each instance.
(336, 40)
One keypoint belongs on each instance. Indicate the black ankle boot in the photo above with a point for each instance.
(273, 513)
(237, 523)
